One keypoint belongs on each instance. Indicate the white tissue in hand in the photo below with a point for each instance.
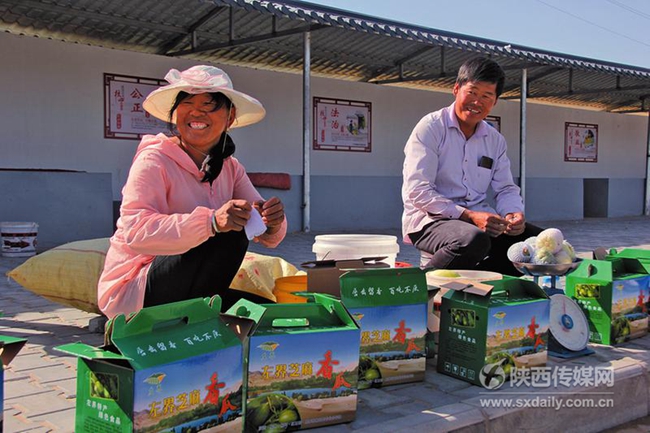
(255, 226)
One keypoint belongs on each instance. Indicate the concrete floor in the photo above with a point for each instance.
(40, 384)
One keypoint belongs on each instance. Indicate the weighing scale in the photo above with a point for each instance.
(569, 330)
(553, 271)
(568, 326)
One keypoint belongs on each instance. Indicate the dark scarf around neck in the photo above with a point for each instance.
(213, 163)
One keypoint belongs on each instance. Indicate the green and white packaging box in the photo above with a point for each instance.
(164, 369)
(613, 293)
(390, 306)
(640, 254)
(301, 366)
(9, 348)
(629, 253)
(502, 323)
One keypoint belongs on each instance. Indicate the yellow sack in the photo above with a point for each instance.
(258, 273)
(68, 274)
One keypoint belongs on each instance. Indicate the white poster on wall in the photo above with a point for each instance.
(580, 142)
(124, 116)
(342, 125)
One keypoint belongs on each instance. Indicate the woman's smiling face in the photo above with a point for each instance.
(199, 124)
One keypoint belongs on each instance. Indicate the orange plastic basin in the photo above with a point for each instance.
(286, 286)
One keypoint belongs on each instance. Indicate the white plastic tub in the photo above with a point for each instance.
(341, 247)
(18, 238)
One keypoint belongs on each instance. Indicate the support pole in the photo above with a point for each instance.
(646, 207)
(522, 133)
(231, 24)
(306, 125)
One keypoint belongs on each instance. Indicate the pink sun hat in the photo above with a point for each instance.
(202, 79)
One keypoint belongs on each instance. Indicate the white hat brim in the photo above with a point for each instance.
(160, 101)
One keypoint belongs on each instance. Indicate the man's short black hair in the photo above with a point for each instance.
(481, 69)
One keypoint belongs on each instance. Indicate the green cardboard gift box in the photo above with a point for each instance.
(301, 365)
(613, 293)
(488, 328)
(323, 275)
(166, 368)
(629, 253)
(9, 348)
(390, 306)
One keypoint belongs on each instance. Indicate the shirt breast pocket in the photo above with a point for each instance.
(483, 178)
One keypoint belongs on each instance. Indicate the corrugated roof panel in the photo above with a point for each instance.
(352, 46)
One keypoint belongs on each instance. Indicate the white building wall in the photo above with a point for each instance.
(619, 137)
(53, 117)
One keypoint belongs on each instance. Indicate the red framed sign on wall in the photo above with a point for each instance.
(124, 116)
(340, 124)
(580, 142)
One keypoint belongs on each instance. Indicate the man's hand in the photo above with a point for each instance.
(272, 212)
(516, 223)
(490, 223)
(233, 215)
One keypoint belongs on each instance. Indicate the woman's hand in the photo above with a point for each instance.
(272, 212)
(233, 215)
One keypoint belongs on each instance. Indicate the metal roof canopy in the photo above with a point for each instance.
(340, 44)
(344, 45)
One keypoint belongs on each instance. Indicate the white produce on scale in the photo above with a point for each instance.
(547, 248)
(550, 240)
(521, 252)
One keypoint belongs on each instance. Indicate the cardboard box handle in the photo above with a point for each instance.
(143, 322)
(166, 324)
(296, 322)
(599, 253)
(242, 311)
(215, 302)
(468, 286)
(591, 270)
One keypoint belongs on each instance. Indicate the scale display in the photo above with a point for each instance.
(568, 324)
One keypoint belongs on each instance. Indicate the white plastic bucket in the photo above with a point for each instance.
(18, 238)
(342, 247)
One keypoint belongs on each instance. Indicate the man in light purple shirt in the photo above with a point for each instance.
(451, 158)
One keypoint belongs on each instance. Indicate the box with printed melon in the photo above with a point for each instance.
(168, 368)
(302, 363)
(488, 328)
(390, 307)
(436, 279)
(614, 295)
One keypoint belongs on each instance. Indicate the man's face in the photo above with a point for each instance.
(474, 100)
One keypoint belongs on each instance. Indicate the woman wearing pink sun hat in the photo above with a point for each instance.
(188, 208)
